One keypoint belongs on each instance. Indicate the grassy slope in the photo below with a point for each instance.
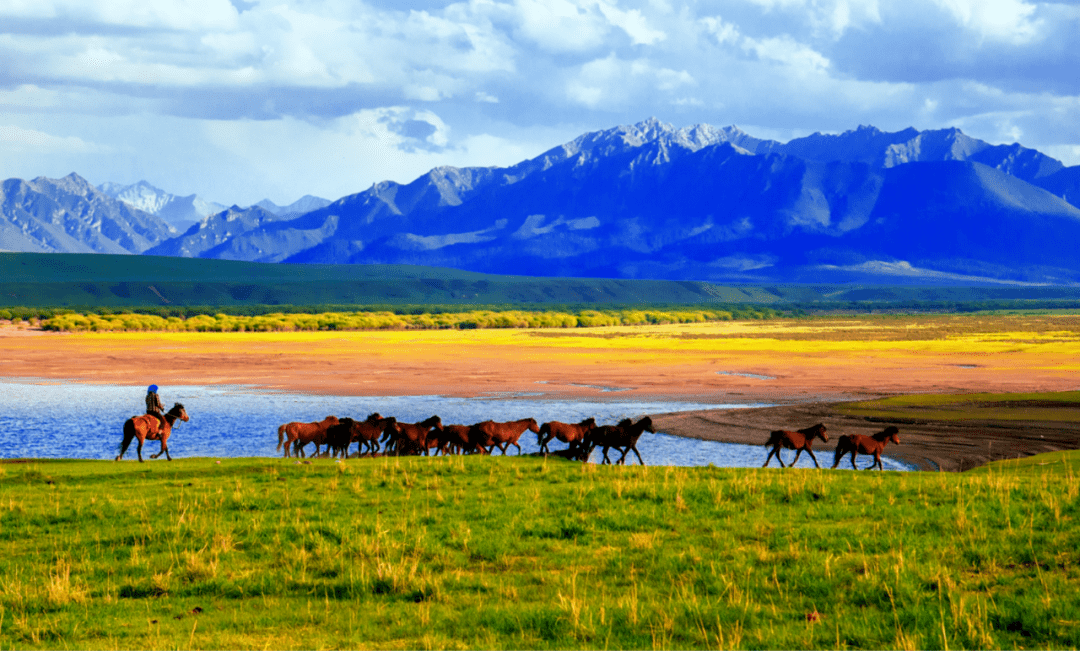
(1063, 406)
(527, 553)
(67, 280)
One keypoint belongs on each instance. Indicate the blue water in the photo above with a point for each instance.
(66, 420)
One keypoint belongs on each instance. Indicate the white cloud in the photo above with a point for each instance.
(1004, 20)
(17, 140)
(633, 23)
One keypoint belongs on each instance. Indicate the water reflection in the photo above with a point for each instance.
(83, 421)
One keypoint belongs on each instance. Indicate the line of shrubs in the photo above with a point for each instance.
(385, 320)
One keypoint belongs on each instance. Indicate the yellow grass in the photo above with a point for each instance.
(843, 354)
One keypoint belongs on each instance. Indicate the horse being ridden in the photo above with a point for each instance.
(146, 427)
(856, 444)
(800, 440)
(622, 437)
(489, 434)
(298, 435)
(572, 434)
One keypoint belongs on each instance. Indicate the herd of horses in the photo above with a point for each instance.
(378, 435)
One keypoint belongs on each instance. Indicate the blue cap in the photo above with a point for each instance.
(152, 388)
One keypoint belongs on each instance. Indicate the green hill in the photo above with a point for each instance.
(81, 280)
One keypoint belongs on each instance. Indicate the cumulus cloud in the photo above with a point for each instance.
(291, 89)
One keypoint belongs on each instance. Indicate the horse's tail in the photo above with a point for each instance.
(773, 436)
(281, 435)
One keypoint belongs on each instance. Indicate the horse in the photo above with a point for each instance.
(859, 444)
(452, 438)
(146, 427)
(574, 435)
(623, 437)
(489, 434)
(410, 437)
(800, 440)
(300, 434)
(366, 433)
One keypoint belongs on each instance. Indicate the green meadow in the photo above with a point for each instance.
(508, 552)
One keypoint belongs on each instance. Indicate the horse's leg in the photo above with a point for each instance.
(798, 453)
(139, 449)
(811, 453)
(853, 455)
(634, 448)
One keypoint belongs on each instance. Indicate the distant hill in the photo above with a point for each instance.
(85, 280)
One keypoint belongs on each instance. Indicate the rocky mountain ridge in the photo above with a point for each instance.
(699, 203)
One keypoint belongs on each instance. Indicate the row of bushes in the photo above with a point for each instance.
(385, 320)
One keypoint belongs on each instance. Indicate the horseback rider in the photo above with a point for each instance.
(154, 406)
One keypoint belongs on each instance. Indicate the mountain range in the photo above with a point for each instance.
(639, 201)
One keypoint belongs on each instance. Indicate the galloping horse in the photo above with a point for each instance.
(574, 435)
(799, 440)
(622, 437)
(859, 444)
(146, 427)
(300, 434)
(410, 438)
(489, 434)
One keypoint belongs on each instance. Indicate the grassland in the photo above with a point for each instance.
(533, 553)
(85, 281)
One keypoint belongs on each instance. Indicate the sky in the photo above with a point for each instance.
(238, 100)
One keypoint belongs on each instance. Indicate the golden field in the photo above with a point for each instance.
(776, 360)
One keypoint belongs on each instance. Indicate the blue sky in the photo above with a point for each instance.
(243, 100)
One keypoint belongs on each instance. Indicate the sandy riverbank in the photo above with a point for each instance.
(669, 362)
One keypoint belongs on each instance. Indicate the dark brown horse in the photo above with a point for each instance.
(858, 444)
(452, 438)
(410, 438)
(300, 434)
(145, 427)
(573, 434)
(622, 437)
(366, 433)
(489, 434)
(800, 440)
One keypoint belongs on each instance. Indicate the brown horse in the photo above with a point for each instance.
(452, 438)
(410, 438)
(622, 437)
(574, 435)
(300, 434)
(146, 427)
(858, 444)
(366, 433)
(799, 440)
(489, 434)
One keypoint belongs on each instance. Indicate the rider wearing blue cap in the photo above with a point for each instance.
(154, 406)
